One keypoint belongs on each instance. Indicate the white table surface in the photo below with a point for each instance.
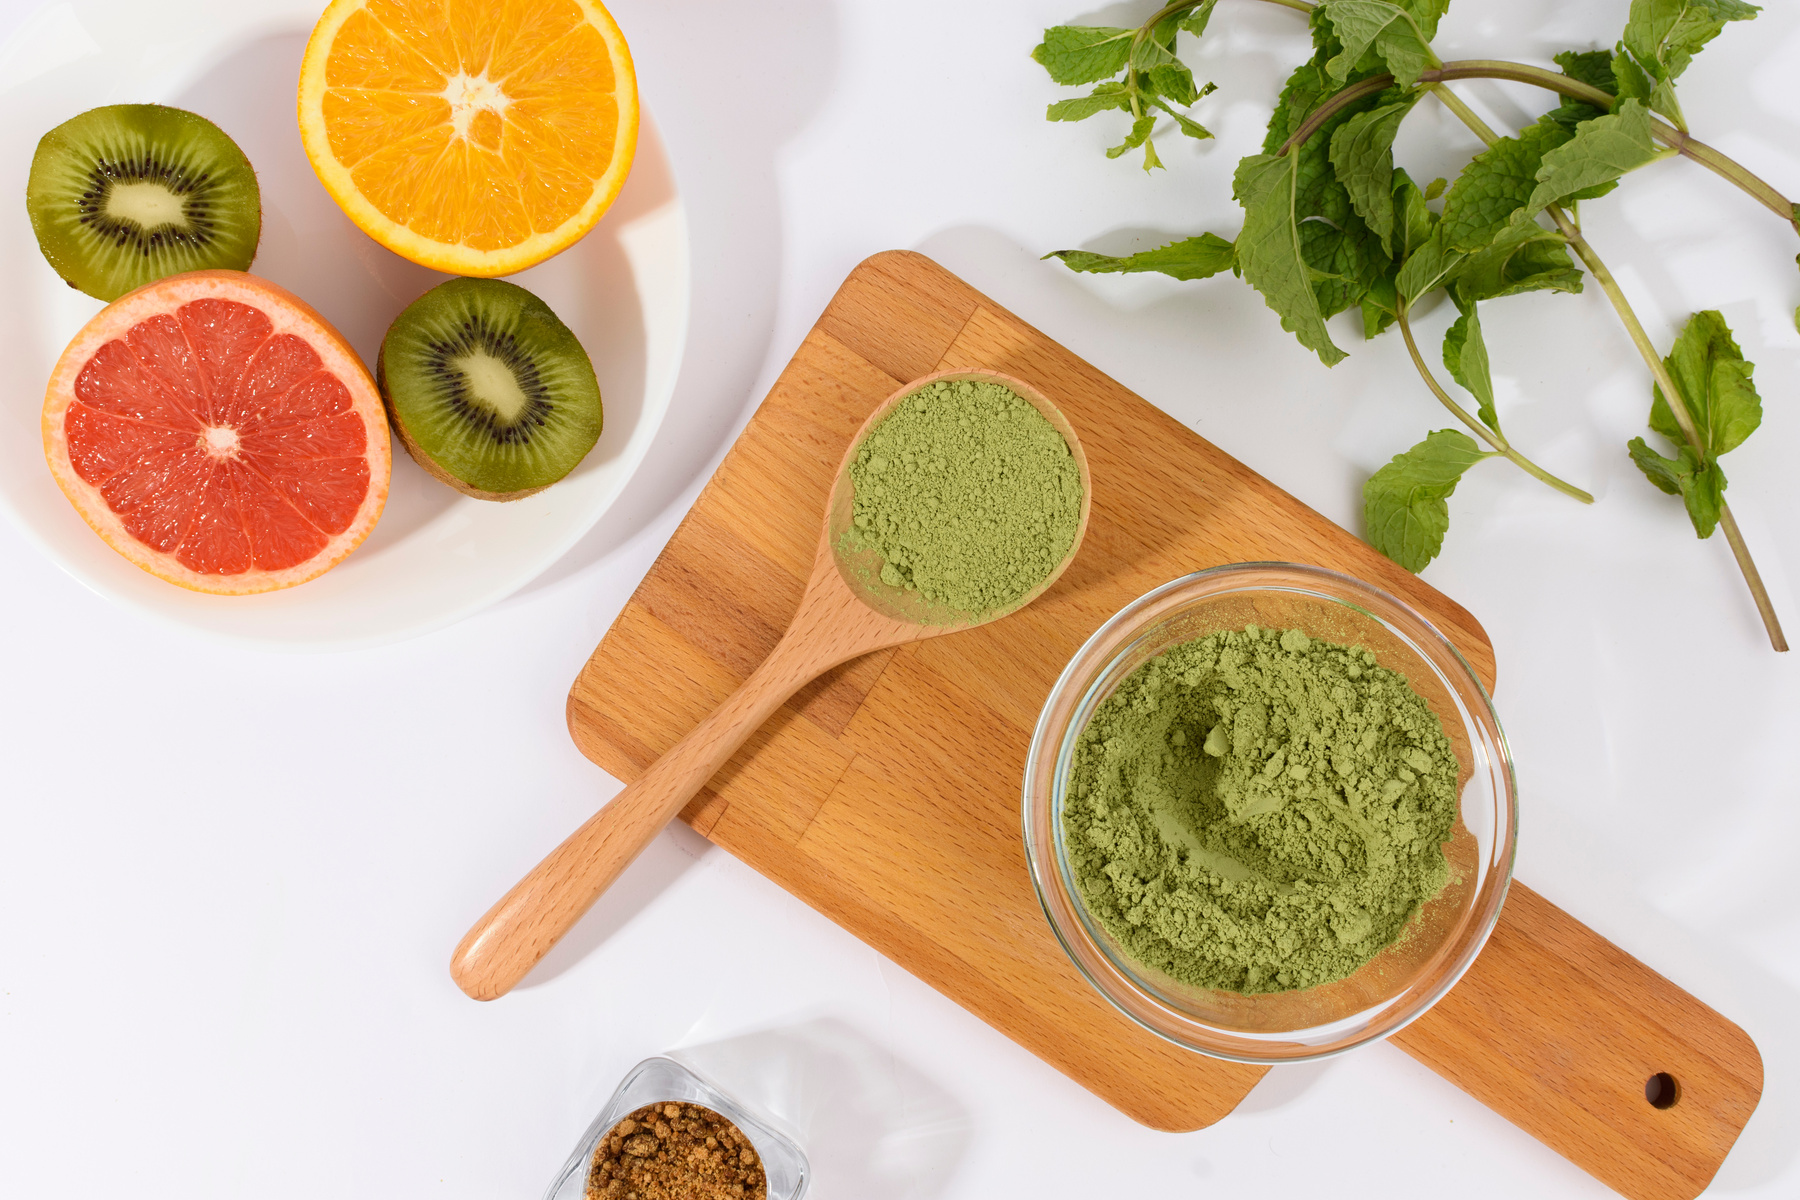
(230, 879)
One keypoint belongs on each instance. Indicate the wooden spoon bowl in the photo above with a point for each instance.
(846, 611)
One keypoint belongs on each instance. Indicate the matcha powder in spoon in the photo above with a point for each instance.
(1256, 811)
(969, 495)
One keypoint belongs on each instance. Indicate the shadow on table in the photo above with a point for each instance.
(669, 856)
(873, 1126)
(1282, 1086)
(725, 140)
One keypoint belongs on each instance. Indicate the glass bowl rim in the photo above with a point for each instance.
(1116, 632)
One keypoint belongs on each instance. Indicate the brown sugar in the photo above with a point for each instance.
(675, 1151)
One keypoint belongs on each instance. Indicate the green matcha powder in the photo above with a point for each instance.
(969, 495)
(1256, 811)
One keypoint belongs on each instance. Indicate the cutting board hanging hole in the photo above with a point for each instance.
(1661, 1090)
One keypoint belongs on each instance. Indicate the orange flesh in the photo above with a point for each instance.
(219, 442)
(471, 122)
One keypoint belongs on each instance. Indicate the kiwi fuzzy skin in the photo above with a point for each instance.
(47, 196)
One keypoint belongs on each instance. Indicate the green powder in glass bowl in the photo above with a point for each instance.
(968, 494)
(1257, 811)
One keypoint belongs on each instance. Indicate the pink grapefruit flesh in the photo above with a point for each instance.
(217, 432)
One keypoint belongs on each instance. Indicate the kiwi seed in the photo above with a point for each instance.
(488, 390)
(124, 195)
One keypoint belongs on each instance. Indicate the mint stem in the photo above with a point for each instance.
(1317, 118)
(1679, 140)
(1677, 406)
(1492, 437)
(1683, 143)
(1658, 370)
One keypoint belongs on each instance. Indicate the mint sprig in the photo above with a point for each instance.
(1155, 82)
(1331, 224)
(1714, 381)
(1661, 39)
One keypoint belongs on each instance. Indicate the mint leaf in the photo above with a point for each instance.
(1406, 503)
(1309, 86)
(1343, 258)
(1591, 163)
(1269, 252)
(1427, 268)
(1414, 223)
(1665, 473)
(1159, 47)
(1194, 20)
(1362, 152)
(1466, 358)
(1702, 489)
(1634, 84)
(1714, 379)
(1592, 67)
(1413, 218)
(1173, 81)
(1380, 308)
(1525, 258)
(1387, 32)
(1661, 39)
(1187, 125)
(1190, 258)
(1105, 98)
(1427, 14)
(1140, 129)
(1414, 226)
(1346, 260)
(1664, 35)
(1083, 53)
(1496, 184)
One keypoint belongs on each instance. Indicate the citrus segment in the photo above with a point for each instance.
(218, 433)
(473, 137)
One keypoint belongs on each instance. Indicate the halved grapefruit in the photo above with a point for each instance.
(217, 432)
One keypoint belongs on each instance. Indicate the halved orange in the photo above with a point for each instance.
(477, 137)
(217, 432)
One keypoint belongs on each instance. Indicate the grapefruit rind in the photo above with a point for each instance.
(288, 314)
(442, 256)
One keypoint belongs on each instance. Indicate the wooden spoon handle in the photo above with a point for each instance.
(519, 930)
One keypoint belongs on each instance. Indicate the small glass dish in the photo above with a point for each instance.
(1399, 984)
(663, 1079)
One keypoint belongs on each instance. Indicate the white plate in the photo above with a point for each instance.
(436, 556)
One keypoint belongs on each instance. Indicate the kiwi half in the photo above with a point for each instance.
(124, 195)
(488, 390)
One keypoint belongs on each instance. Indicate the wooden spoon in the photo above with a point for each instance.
(845, 611)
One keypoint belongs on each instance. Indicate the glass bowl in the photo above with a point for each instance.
(663, 1079)
(1399, 984)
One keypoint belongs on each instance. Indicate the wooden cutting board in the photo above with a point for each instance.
(886, 795)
